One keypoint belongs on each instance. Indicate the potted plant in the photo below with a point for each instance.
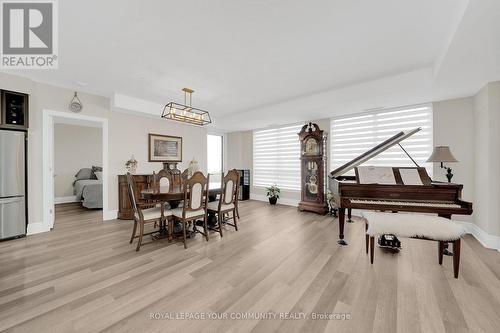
(273, 193)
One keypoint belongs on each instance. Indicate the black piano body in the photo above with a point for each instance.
(434, 197)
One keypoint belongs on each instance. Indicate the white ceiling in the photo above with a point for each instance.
(244, 57)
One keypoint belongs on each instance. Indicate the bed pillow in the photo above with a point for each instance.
(85, 173)
(98, 175)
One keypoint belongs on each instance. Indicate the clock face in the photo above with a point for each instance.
(171, 166)
(311, 147)
(75, 107)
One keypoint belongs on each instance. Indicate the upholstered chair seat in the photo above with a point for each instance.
(154, 213)
(177, 212)
(214, 206)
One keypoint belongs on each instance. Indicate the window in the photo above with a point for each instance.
(214, 153)
(353, 135)
(276, 157)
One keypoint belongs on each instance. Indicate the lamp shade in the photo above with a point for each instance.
(441, 154)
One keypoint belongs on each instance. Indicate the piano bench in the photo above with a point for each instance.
(415, 226)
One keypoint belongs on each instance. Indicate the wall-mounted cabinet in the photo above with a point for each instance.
(14, 110)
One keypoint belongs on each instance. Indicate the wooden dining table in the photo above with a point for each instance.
(173, 195)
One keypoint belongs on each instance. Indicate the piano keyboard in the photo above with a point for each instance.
(405, 203)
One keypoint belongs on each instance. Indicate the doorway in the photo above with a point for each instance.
(77, 171)
(52, 121)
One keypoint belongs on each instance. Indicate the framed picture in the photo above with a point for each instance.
(164, 148)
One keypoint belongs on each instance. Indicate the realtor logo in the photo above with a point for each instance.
(29, 34)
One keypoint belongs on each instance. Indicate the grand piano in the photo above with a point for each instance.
(393, 189)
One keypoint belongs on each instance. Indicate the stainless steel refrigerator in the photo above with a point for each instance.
(12, 184)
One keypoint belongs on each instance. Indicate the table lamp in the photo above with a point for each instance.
(443, 154)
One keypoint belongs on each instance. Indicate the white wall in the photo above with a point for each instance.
(487, 158)
(453, 126)
(495, 158)
(238, 146)
(75, 147)
(128, 134)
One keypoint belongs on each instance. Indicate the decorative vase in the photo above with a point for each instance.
(193, 167)
(131, 165)
(273, 200)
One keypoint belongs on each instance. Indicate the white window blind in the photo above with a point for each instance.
(353, 135)
(276, 157)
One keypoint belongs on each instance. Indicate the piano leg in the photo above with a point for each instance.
(446, 252)
(367, 237)
(349, 215)
(341, 240)
(456, 257)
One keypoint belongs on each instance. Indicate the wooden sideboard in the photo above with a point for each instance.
(124, 207)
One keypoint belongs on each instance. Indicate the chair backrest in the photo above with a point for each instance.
(184, 176)
(229, 188)
(196, 192)
(176, 177)
(164, 178)
(131, 194)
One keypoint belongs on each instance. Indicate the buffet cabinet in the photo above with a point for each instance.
(125, 211)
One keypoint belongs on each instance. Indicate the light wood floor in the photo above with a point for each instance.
(85, 276)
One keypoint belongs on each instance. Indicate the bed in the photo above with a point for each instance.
(88, 188)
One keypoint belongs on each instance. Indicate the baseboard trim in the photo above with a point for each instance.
(282, 201)
(487, 240)
(36, 228)
(68, 199)
(109, 215)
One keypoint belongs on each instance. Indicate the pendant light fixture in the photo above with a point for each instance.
(186, 113)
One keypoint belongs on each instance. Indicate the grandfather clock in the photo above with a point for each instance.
(312, 169)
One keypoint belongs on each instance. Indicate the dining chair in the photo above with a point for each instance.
(144, 213)
(227, 202)
(163, 179)
(237, 198)
(176, 177)
(184, 176)
(195, 204)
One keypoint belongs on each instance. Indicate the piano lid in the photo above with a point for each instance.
(392, 141)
